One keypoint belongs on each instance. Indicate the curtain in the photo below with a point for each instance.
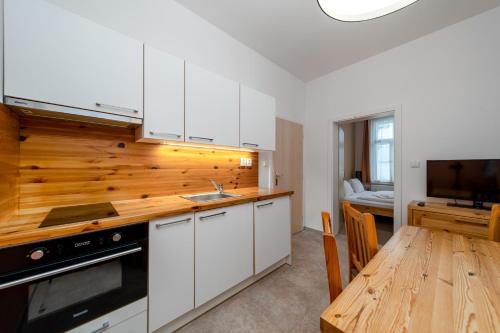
(365, 157)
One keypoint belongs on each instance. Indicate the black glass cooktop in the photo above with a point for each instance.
(73, 214)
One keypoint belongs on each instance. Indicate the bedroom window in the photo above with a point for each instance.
(382, 150)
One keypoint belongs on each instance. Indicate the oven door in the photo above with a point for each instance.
(66, 297)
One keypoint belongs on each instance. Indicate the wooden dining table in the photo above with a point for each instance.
(421, 281)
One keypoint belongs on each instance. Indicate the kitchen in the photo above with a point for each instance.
(174, 166)
(130, 197)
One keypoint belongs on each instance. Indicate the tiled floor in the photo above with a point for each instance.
(291, 299)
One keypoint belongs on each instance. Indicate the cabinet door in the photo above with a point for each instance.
(272, 232)
(224, 250)
(257, 120)
(171, 269)
(163, 97)
(55, 56)
(212, 108)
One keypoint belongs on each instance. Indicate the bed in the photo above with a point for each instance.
(376, 203)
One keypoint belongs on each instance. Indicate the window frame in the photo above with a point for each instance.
(373, 143)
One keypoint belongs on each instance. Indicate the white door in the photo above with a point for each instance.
(212, 108)
(171, 269)
(55, 56)
(163, 97)
(257, 120)
(223, 250)
(272, 232)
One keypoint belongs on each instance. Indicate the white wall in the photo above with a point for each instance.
(448, 84)
(169, 26)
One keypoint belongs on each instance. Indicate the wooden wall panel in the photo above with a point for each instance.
(67, 163)
(9, 164)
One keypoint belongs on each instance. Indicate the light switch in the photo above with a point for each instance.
(415, 164)
(242, 161)
(249, 162)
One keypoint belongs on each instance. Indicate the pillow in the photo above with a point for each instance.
(357, 186)
(348, 191)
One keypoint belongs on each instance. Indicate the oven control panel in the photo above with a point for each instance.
(32, 255)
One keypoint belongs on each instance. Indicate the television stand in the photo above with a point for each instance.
(456, 219)
(473, 206)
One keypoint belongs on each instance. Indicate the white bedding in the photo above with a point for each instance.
(383, 199)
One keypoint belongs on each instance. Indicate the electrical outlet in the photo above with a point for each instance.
(245, 162)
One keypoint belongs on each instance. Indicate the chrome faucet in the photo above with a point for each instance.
(218, 187)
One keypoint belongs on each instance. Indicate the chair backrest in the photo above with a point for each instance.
(362, 240)
(332, 258)
(327, 224)
(494, 224)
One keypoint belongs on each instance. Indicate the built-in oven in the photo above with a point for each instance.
(60, 284)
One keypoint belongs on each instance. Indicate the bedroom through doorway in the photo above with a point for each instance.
(366, 169)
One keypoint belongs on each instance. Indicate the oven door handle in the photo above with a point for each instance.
(67, 268)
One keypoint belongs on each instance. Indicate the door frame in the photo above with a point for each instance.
(333, 162)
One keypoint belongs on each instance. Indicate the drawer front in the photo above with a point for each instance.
(135, 312)
(465, 225)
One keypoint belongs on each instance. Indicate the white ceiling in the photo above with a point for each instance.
(299, 37)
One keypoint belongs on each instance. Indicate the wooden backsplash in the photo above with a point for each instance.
(67, 163)
(9, 163)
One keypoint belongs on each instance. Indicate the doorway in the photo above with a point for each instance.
(365, 168)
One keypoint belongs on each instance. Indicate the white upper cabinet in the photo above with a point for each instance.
(257, 120)
(212, 108)
(163, 97)
(55, 56)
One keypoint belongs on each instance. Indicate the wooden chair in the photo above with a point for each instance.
(332, 258)
(494, 224)
(362, 243)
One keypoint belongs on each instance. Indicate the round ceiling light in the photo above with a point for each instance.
(361, 10)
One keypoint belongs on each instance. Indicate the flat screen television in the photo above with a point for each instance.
(474, 180)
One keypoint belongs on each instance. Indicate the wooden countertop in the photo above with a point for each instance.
(423, 281)
(24, 228)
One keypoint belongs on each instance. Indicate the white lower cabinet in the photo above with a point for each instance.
(272, 232)
(171, 269)
(223, 250)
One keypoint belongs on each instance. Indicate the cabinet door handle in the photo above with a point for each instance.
(101, 329)
(164, 134)
(213, 215)
(166, 224)
(266, 204)
(118, 108)
(250, 144)
(200, 138)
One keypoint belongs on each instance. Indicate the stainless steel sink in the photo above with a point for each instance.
(204, 197)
